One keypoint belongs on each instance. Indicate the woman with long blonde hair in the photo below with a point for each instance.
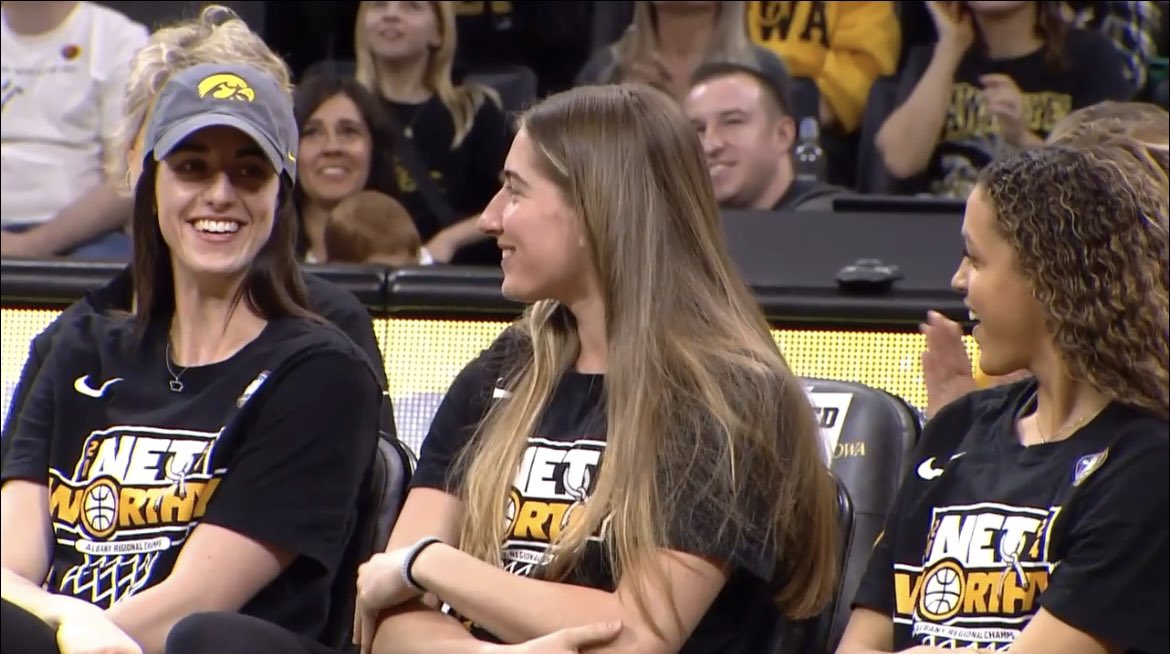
(634, 448)
(454, 137)
(668, 41)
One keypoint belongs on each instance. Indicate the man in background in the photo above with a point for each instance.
(745, 124)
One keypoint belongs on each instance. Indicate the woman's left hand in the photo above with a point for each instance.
(380, 584)
(1005, 101)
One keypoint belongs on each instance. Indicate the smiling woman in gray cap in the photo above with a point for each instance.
(185, 454)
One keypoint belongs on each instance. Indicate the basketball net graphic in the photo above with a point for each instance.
(104, 580)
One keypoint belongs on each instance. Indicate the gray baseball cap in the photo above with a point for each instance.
(236, 96)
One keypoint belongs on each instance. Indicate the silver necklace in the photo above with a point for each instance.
(175, 384)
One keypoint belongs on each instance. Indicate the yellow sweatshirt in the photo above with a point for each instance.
(843, 46)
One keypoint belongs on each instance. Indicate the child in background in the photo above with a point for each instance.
(372, 227)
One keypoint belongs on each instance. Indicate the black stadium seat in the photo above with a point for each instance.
(814, 636)
(386, 486)
(871, 434)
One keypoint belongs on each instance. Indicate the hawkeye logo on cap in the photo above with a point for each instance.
(226, 86)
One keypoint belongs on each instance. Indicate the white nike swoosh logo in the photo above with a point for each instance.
(927, 471)
(81, 385)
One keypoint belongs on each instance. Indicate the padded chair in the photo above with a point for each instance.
(515, 83)
(815, 635)
(872, 176)
(872, 434)
(806, 99)
(386, 484)
(331, 67)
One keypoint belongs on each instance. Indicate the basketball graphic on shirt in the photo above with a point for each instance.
(100, 508)
(942, 592)
(510, 510)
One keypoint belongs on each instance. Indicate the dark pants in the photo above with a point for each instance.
(232, 633)
(24, 633)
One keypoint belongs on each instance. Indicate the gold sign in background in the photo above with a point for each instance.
(423, 357)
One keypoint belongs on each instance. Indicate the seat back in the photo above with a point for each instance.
(384, 492)
(872, 176)
(806, 98)
(515, 83)
(343, 68)
(869, 435)
(816, 635)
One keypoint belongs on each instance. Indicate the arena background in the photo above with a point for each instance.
(424, 355)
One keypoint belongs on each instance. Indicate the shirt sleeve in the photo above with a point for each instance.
(709, 520)
(465, 404)
(1111, 581)
(343, 309)
(298, 473)
(29, 426)
(454, 424)
(1100, 67)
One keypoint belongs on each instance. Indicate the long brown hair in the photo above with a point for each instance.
(729, 38)
(702, 397)
(273, 287)
(1089, 228)
(1050, 25)
(462, 101)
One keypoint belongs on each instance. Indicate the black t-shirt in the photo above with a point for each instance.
(985, 531)
(808, 195)
(326, 299)
(556, 477)
(250, 444)
(467, 175)
(1094, 70)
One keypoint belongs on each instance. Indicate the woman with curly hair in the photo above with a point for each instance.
(1034, 518)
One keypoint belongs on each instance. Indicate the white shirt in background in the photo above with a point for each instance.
(63, 105)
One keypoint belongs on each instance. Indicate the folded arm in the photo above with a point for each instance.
(516, 608)
(199, 582)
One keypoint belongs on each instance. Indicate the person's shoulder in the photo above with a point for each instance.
(333, 302)
(818, 196)
(1082, 46)
(1139, 434)
(110, 18)
(600, 67)
(112, 23)
(979, 409)
(299, 337)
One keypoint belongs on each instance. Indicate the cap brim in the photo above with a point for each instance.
(184, 128)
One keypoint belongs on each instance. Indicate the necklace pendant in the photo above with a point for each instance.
(176, 386)
(408, 133)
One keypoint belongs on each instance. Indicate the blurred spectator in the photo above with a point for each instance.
(455, 138)
(547, 37)
(347, 145)
(842, 46)
(998, 79)
(744, 120)
(64, 67)
(1131, 25)
(372, 227)
(668, 41)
